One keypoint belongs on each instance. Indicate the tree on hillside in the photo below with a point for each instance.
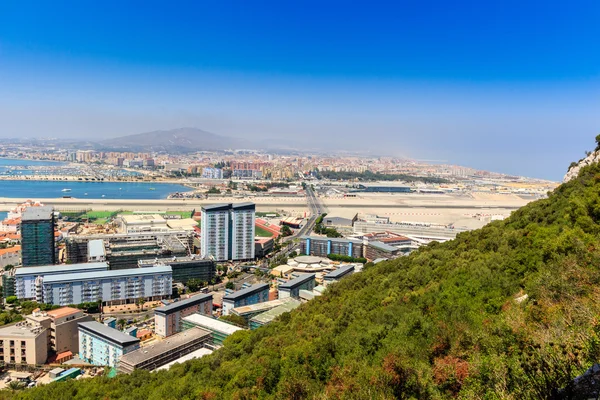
(597, 142)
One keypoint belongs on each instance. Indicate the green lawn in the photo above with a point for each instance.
(262, 232)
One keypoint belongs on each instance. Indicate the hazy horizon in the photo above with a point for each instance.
(510, 88)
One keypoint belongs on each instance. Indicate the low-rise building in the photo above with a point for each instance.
(293, 287)
(168, 318)
(10, 256)
(153, 356)
(334, 276)
(376, 249)
(137, 223)
(218, 329)
(267, 317)
(102, 345)
(258, 293)
(185, 268)
(96, 251)
(62, 326)
(250, 311)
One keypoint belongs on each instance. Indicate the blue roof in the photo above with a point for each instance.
(341, 271)
(298, 281)
(324, 238)
(246, 292)
(60, 269)
(178, 305)
(80, 276)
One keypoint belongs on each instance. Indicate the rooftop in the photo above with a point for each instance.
(212, 324)
(245, 292)
(14, 249)
(341, 271)
(270, 315)
(331, 239)
(308, 259)
(21, 330)
(194, 354)
(80, 276)
(108, 333)
(298, 281)
(382, 246)
(37, 213)
(60, 269)
(260, 307)
(217, 207)
(96, 248)
(164, 346)
(63, 312)
(143, 218)
(181, 304)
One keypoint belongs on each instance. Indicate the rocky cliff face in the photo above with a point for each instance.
(574, 171)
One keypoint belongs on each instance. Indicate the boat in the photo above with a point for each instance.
(66, 190)
(152, 189)
(85, 194)
(103, 195)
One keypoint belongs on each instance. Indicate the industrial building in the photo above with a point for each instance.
(28, 280)
(102, 345)
(153, 356)
(219, 330)
(334, 276)
(168, 318)
(292, 288)
(254, 294)
(228, 231)
(185, 268)
(123, 250)
(324, 246)
(37, 236)
(113, 287)
(268, 316)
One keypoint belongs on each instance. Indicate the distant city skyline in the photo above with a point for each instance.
(511, 87)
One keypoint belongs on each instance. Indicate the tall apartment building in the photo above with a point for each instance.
(37, 236)
(102, 345)
(228, 231)
(168, 318)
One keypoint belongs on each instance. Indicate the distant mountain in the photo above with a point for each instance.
(175, 140)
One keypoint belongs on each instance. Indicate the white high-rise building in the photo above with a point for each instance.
(228, 231)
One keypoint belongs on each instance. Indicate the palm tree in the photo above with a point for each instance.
(16, 385)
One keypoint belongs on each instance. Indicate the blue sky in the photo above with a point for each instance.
(510, 87)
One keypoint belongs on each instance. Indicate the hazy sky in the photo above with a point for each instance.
(510, 87)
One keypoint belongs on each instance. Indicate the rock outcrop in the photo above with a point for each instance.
(574, 170)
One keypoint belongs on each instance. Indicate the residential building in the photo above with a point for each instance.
(102, 345)
(212, 173)
(113, 287)
(185, 268)
(254, 294)
(334, 276)
(10, 256)
(28, 280)
(228, 231)
(263, 246)
(153, 356)
(376, 249)
(23, 343)
(62, 326)
(324, 246)
(37, 236)
(292, 288)
(218, 329)
(168, 318)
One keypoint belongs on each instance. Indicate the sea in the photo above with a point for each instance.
(88, 190)
(79, 190)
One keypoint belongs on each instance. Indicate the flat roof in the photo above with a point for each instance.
(194, 354)
(21, 329)
(143, 218)
(63, 312)
(108, 333)
(382, 246)
(246, 292)
(212, 323)
(339, 240)
(243, 206)
(164, 346)
(181, 304)
(260, 307)
(41, 213)
(79, 276)
(270, 315)
(60, 269)
(216, 207)
(298, 281)
(341, 271)
(96, 248)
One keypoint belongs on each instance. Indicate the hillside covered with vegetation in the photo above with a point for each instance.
(508, 311)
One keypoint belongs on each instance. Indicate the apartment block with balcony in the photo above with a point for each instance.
(254, 294)
(228, 231)
(102, 345)
(24, 343)
(168, 318)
